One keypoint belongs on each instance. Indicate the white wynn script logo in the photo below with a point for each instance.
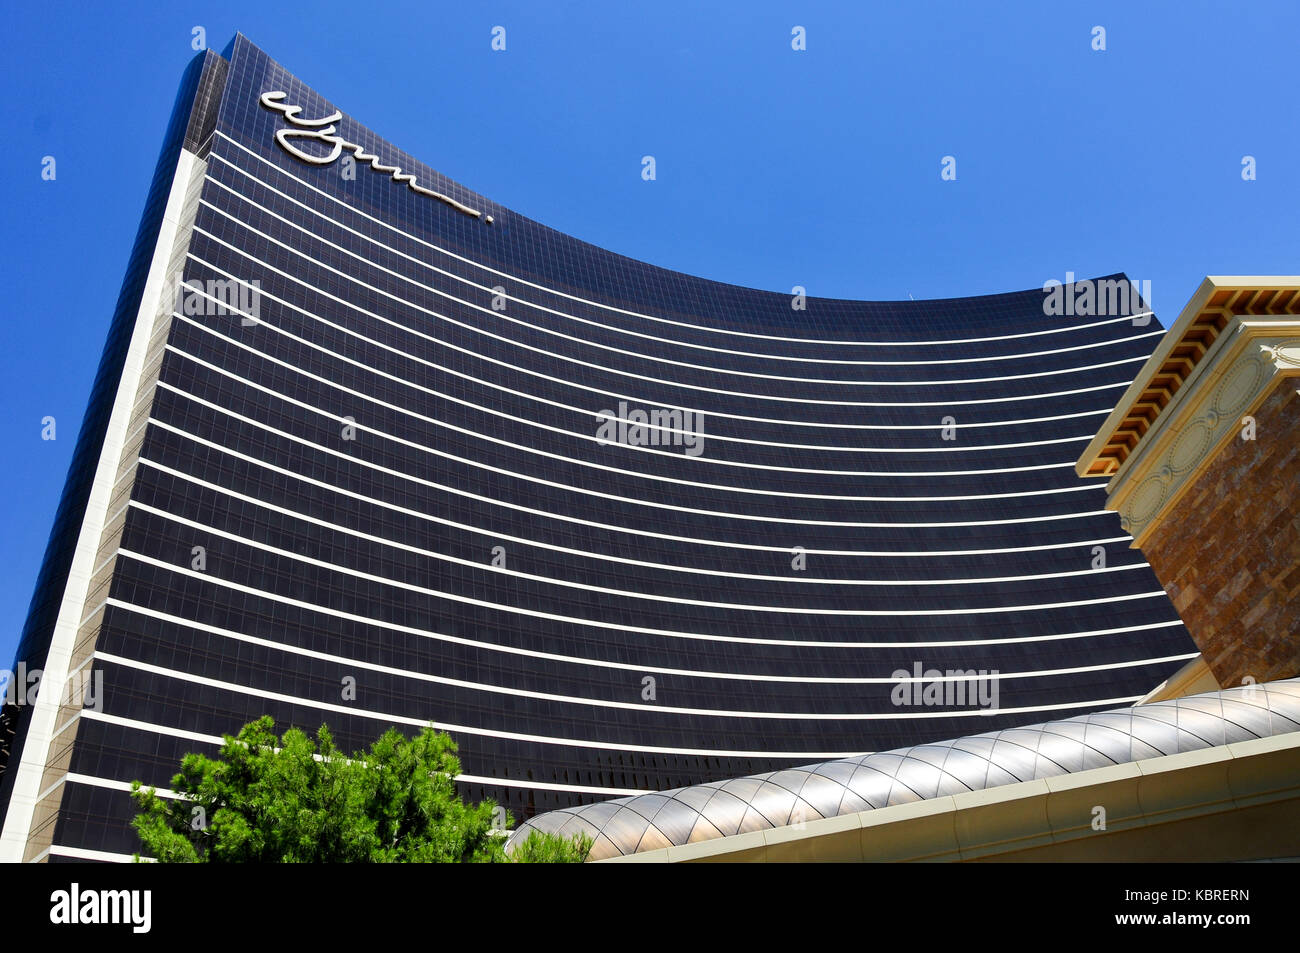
(323, 130)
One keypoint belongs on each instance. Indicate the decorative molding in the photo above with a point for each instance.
(323, 130)
(1286, 354)
(1170, 455)
(1209, 318)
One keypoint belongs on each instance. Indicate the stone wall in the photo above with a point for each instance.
(1228, 550)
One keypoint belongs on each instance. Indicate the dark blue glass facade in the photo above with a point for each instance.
(395, 477)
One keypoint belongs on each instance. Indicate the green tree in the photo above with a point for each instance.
(540, 848)
(295, 800)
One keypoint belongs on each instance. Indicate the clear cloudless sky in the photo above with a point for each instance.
(775, 168)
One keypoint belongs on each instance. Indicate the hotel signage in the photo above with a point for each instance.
(324, 131)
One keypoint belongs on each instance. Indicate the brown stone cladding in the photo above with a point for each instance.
(1228, 550)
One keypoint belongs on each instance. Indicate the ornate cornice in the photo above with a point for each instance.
(1227, 382)
(1178, 358)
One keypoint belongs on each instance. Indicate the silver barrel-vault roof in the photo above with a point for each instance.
(780, 798)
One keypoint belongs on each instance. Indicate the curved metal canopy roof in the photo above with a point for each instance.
(779, 798)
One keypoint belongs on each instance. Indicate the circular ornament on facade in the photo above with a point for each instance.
(1288, 354)
(1189, 447)
(1237, 387)
(1146, 500)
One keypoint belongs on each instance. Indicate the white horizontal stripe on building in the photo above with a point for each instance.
(675, 342)
(635, 630)
(611, 308)
(433, 451)
(533, 511)
(589, 464)
(637, 669)
(589, 587)
(590, 414)
(631, 374)
(604, 394)
(85, 853)
(125, 786)
(493, 536)
(455, 730)
(680, 600)
(823, 382)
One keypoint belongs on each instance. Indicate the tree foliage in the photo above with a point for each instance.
(295, 800)
(541, 848)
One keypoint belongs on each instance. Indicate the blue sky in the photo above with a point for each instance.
(775, 168)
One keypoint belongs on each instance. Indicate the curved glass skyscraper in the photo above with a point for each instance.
(368, 449)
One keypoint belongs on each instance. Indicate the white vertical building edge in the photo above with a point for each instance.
(42, 729)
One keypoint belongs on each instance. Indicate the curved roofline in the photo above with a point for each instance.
(500, 217)
(829, 789)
